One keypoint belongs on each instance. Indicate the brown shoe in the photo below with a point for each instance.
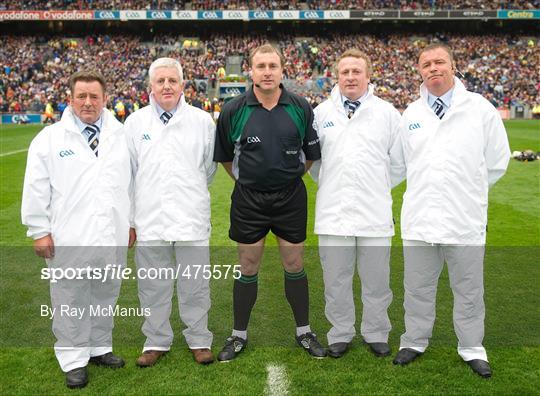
(149, 358)
(203, 356)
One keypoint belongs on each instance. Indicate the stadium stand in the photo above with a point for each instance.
(266, 4)
(421, 5)
(35, 69)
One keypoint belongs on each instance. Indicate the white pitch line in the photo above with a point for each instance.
(13, 152)
(277, 383)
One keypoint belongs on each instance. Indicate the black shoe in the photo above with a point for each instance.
(480, 367)
(233, 346)
(108, 360)
(405, 356)
(338, 349)
(309, 342)
(379, 349)
(77, 378)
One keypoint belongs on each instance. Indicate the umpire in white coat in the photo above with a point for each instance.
(76, 207)
(455, 147)
(353, 212)
(171, 144)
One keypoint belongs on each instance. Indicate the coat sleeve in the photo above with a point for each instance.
(209, 165)
(496, 148)
(398, 167)
(134, 163)
(36, 198)
(315, 169)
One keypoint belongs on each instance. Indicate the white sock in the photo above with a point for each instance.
(303, 330)
(240, 333)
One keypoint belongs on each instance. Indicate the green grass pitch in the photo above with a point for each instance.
(512, 279)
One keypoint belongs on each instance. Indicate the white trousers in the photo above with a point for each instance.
(423, 265)
(339, 258)
(156, 292)
(82, 322)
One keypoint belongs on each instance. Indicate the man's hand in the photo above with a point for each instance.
(307, 166)
(132, 237)
(228, 168)
(44, 247)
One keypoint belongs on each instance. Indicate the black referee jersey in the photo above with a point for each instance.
(268, 148)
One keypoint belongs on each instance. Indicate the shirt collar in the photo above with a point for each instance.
(82, 125)
(446, 98)
(161, 111)
(284, 98)
(360, 99)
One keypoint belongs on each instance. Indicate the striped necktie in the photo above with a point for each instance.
(165, 117)
(438, 108)
(351, 106)
(93, 141)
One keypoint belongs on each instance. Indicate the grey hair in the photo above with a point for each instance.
(165, 62)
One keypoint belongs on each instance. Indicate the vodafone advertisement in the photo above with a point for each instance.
(28, 15)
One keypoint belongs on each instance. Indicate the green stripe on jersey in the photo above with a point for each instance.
(299, 118)
(238, 122)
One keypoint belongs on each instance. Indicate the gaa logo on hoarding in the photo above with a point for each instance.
(20, 118)
(183, 14)
(312, 15)
(106, 15)
(285, 14)
(261, 15)
(158, 15)
(210, 15)
(235, 14)
(233, 91)
(337, 14)
(133, 14)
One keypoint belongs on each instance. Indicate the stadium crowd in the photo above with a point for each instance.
(34, 70)
(421, 4)
(266, 4)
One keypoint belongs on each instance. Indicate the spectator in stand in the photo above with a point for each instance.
(49, 114)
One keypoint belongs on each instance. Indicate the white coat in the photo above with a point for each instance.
(172, 167)
(355, 171)
(78, 198)
(450, 165)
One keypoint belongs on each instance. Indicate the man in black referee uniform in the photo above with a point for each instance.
(266, 142)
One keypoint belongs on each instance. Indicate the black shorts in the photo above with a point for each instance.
(254, 213)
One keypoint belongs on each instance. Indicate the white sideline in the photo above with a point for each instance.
(277, 383)
(13, 152)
